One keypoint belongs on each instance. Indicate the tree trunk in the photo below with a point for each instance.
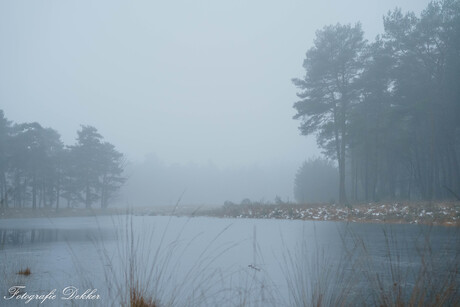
(342, 190)
(4, 192)
(58, 192)
(87, 198)
(34, 192)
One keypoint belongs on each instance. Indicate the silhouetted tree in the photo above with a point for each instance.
(87, 153)
(70, 190)
(389, 110)
(34, 149)
(329, 89)
(98, 167)
(427, 53)
(111, 172)
(5, 131)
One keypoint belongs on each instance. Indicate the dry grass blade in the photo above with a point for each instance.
(138, 300)
(25, 272)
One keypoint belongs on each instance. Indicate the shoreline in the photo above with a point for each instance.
(441, 213)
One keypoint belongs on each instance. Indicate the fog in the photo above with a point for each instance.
(154, 182)
(196, 95)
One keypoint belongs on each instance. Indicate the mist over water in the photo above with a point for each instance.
(154, 182)
(230, 153)
(205, 86)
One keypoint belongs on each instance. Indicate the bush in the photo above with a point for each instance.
(317, 180)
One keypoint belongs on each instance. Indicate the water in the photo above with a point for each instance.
(200, 261)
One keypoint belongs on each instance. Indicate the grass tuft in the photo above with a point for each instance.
(136, 299)
(25, 272)
(143, 269)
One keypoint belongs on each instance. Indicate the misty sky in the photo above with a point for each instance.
(190, 81)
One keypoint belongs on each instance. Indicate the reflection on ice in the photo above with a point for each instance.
(206, 261)
(31, 236)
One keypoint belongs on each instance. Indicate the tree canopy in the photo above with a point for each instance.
(329, 89)
(37, 170)
(388, 110)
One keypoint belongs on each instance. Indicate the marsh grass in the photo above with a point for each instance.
(404, 274)
(144, 271)
(251, 285)
(138, 300)
(429, 278)
(314, 278)
(250, 288)
(146, 268)
(25, 272)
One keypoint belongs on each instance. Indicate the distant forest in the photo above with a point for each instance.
(37, 170)
(388, 111)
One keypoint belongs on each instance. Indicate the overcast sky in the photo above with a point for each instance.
(191, 81)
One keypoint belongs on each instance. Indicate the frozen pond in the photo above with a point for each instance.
(198, 261)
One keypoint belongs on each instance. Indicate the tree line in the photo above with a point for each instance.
(38, 170)
(388, 111)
